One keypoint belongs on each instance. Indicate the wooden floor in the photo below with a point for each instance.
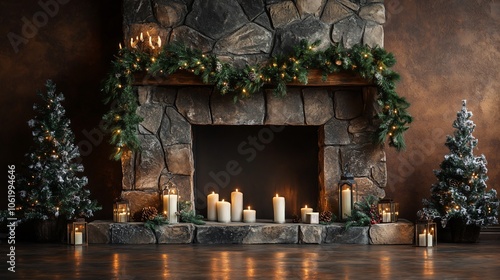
(335, 261)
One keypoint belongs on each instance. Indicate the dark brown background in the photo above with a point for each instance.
(446, 51)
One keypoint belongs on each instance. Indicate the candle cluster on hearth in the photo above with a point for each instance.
(232, 211)
(224, 211)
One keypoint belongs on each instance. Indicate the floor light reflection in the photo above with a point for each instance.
(250, 267)
(166, 268)
(116, 265)
(428, 262)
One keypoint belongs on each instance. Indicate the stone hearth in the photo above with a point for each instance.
(240, 32)
(105, 232)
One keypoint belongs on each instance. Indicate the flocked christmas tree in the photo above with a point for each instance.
(52, 188)
(460, 192)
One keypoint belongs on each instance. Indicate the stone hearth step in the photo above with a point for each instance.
(401, 232)
(108, 232)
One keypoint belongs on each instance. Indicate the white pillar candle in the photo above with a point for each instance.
(422, 237)
(279, 209)
(249, 215)
(236, 206)
(170, 206)
(122, 217)
(346, 203)
(223, 211)
(312, 218)
(386, 217)
(303, 213)
(78, 238)
(165, 203)
(212, 206)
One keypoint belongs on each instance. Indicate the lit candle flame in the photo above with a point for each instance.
(236, 190)
(248, 207)
(276, 195)
(213, 192)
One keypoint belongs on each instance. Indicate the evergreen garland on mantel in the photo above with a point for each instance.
(372, 64)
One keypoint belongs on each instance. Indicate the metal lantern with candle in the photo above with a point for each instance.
(121, 211)
(388, 210)
(77, 233)
(425, 234)
(347, 193)
(170, 202)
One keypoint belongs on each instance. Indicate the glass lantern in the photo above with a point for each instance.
(347, 194)
(77, 233)
(425, 234)
(170, 203)
(388, 210)
(121, 211)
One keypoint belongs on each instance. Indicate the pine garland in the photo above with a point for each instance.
(372, 64)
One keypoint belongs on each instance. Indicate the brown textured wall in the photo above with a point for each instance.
(72, 43)
(446, 51)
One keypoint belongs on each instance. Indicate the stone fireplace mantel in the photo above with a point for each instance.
(343, 106)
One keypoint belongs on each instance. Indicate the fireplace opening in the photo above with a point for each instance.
(260, 161)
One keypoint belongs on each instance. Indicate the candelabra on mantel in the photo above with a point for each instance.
(150, 45)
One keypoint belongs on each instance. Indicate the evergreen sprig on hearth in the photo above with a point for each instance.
(461, 191)
(364, 213)
(188, 215)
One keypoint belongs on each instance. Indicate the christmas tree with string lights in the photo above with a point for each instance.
(460, 196)
(51, 187)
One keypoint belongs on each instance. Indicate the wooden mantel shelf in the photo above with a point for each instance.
(185, 78)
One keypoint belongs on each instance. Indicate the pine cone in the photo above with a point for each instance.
(149, 213)
(325, 216)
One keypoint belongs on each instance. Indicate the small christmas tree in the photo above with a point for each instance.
(460, 193)
(51, 187)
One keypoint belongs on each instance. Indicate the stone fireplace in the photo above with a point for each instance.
(341, 112)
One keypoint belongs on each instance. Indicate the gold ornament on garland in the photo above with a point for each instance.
(372, 64)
